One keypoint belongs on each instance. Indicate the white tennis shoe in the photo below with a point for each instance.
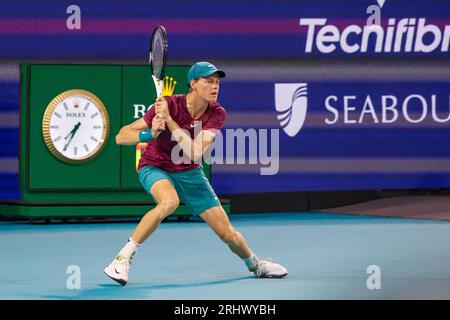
(268, 269)
(118, 270)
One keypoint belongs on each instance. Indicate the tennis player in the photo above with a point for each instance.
(168, 182)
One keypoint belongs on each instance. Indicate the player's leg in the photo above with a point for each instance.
(218, 220)
(167, 201)
(196, 192)
(160, 186)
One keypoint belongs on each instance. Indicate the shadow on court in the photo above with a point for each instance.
(134, 290)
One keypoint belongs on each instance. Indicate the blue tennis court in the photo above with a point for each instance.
(327, 256)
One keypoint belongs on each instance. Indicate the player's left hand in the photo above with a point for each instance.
(162, 108)
(158, 123)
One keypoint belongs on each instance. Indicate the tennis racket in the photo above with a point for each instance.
(158, 57)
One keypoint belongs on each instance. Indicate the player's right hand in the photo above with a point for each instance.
(162, 107)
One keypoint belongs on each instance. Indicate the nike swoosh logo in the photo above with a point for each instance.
(193, 125)
(116, 271)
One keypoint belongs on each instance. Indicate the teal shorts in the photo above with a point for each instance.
(192, 186)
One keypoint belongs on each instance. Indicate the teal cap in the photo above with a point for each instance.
(203, 69)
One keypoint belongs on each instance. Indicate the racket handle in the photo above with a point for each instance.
(159, 89)
(158, 86)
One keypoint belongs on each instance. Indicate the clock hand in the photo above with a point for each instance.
(75, 129)
(67, 144)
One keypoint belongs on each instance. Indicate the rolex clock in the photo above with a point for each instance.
(75, 126)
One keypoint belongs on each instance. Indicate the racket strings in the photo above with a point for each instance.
(157, 54)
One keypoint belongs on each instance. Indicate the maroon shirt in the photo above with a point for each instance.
(158, 151)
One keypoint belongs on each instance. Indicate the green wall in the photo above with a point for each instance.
(46, 82)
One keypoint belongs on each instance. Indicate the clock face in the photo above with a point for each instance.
(75, 126)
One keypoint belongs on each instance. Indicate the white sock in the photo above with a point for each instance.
(129, 250)
(251, 261)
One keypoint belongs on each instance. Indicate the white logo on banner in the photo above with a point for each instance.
(291, 102)
(405, 35)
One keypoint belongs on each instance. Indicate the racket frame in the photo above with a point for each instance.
(159, 82)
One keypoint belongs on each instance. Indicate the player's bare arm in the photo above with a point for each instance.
(129, 134)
